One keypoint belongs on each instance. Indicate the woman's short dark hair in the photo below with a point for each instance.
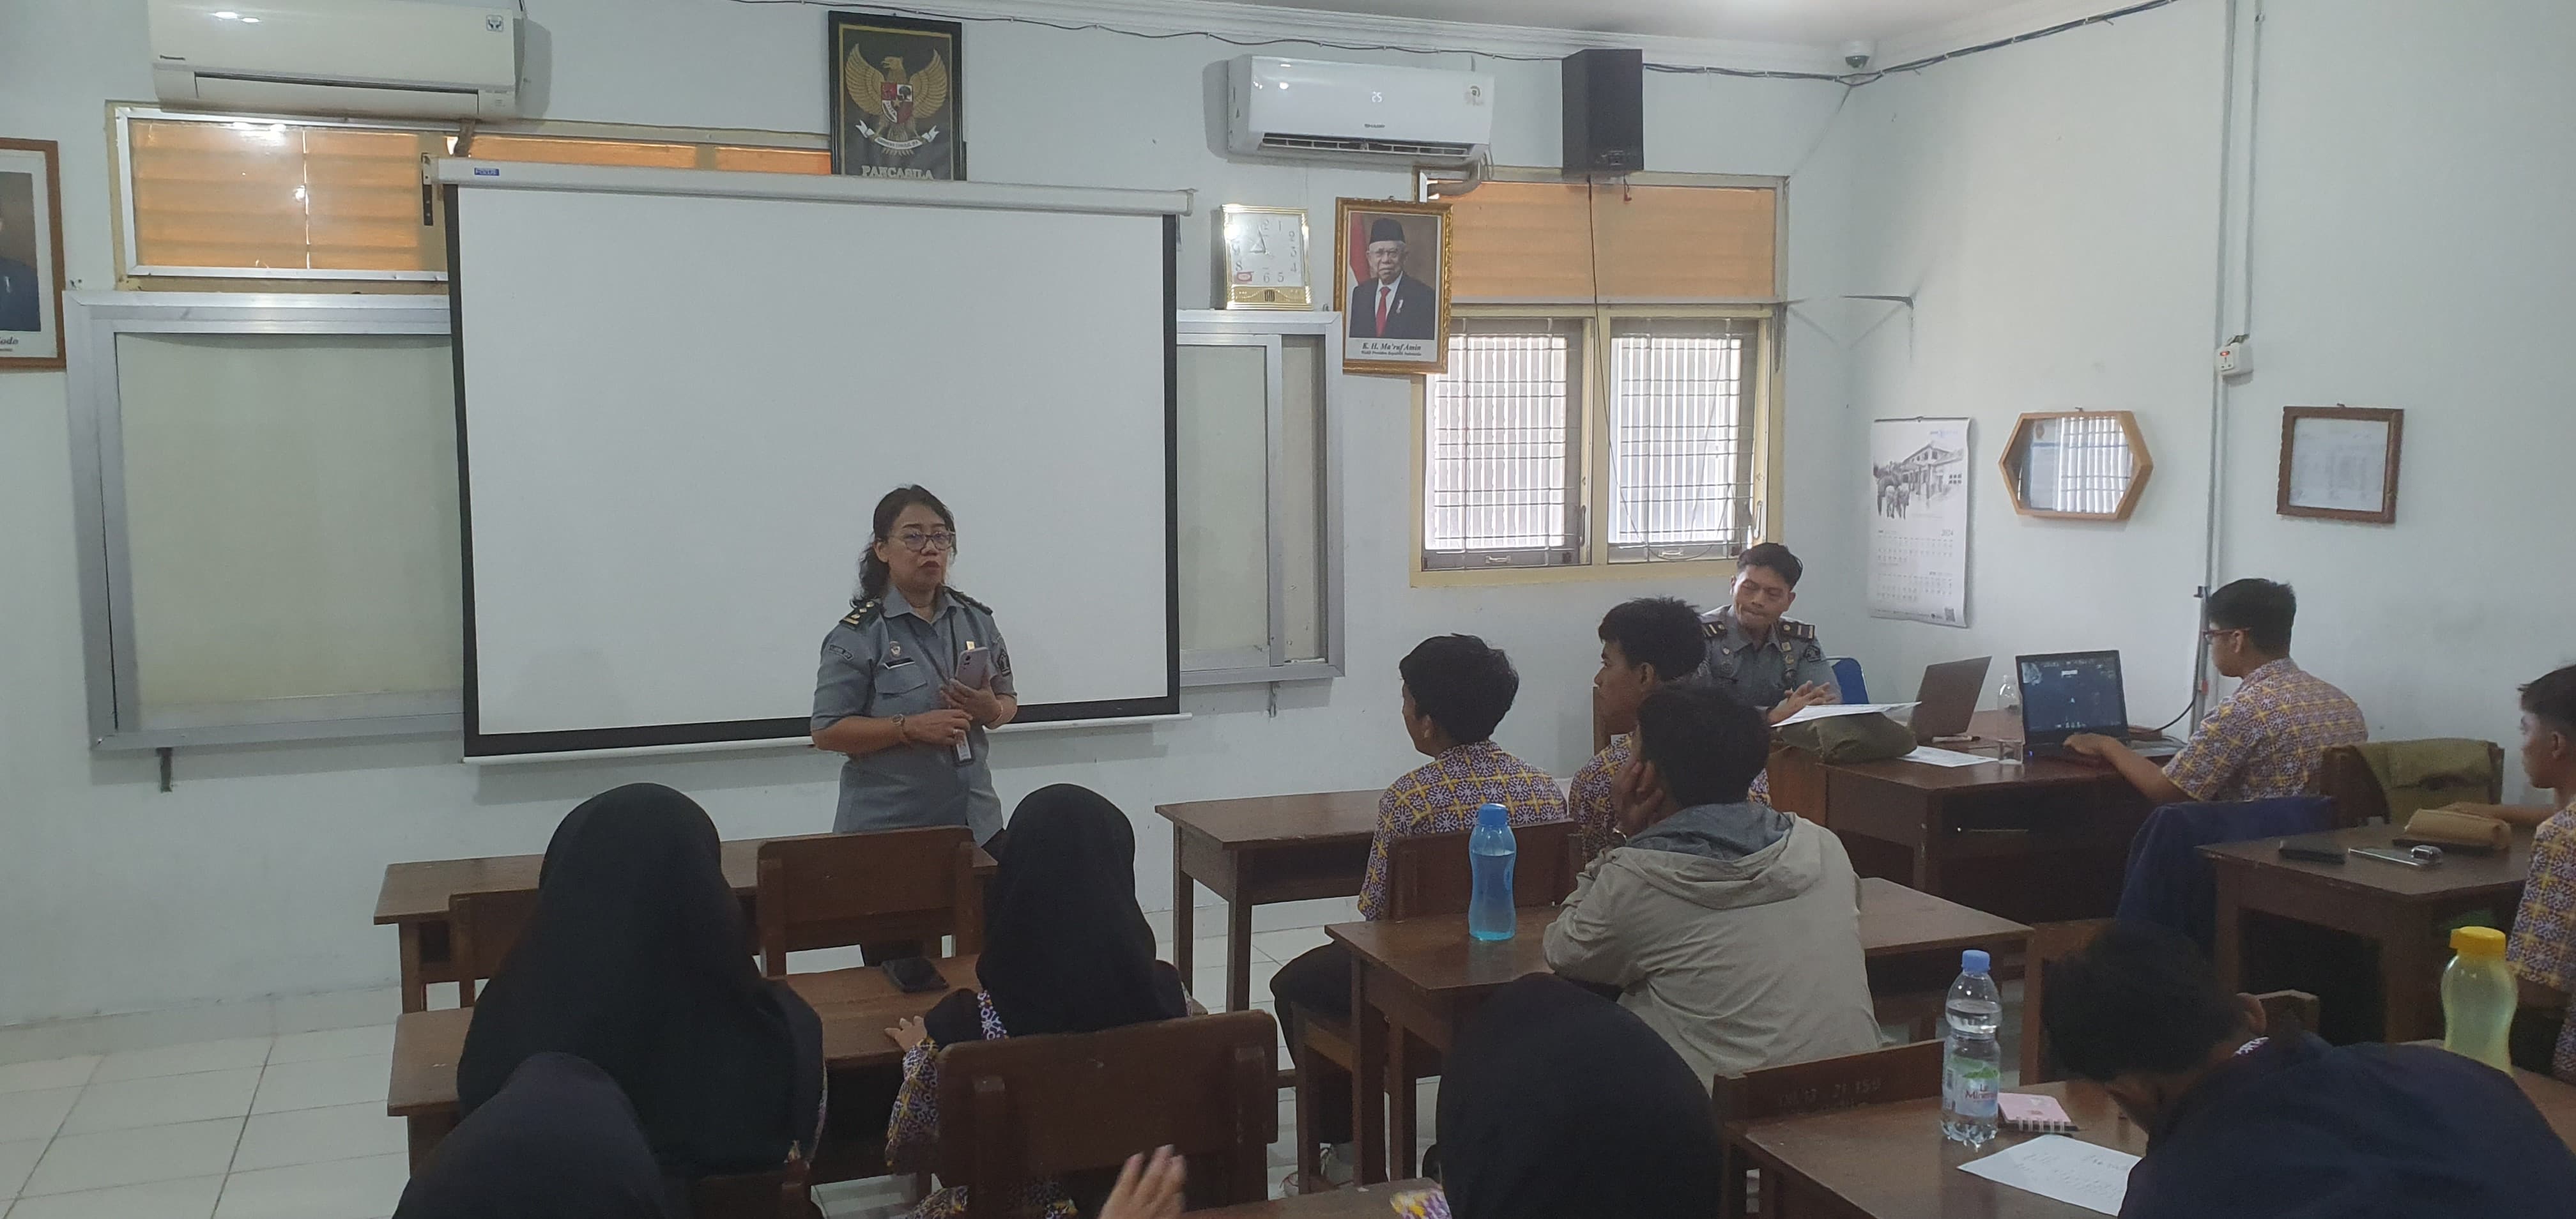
(1659, 631)
(2139, 998)
(2260, 608)
(1464, 684)
(2552, 699)
(872, 570)
(1706, 744)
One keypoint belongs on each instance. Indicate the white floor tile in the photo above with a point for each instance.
(50, 1073)
(16, 1161)
(311, 1136)
(315, 1085)
(192, 1198)
(337, 1189)
(183, 1060)
(77, 1162)
(34, 1115)
(158, 1102)
(374, 1040)
(1288, 945)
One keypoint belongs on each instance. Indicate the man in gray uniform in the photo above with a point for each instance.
(1769, 662)
(888, 660)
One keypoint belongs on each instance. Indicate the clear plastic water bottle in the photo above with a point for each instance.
(1972, 1065)
(2478, 998)
(1492, 852)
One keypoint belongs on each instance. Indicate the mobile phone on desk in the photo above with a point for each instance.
(914, 975)
(2309, 852)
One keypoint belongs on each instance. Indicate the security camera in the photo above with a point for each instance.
(1858, 52)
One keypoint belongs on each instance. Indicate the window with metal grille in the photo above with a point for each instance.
(1501, 447)
(1681, 439)
(2078, 463)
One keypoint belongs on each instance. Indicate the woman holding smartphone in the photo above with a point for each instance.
(911, 680)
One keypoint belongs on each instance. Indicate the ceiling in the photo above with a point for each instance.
(1779, 21)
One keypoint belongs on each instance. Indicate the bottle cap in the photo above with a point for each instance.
(1975, 961)
(2477, 942)
(1496, 817)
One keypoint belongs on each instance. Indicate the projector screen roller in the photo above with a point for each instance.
(677, 411)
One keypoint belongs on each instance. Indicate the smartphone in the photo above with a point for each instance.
(2417, 857)
(914, 975)
(975, 666)
(2310, 853)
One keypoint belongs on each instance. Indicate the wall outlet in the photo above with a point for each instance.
(2236, 359)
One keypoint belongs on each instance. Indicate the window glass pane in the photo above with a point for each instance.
(2078, 463)
(1224, 407)
(1497, 442)
(558, 150)
(774, 160)
(1302, 585)
(280, 195)
(1680, 435)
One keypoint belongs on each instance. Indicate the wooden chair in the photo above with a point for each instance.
(2347, 780)
(1898, 1073)
(1028, 1109)
(1426, 875)
(834, 890)
(1797, 783)
(482, 929)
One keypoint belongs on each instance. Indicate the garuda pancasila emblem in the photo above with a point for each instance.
(895, 107)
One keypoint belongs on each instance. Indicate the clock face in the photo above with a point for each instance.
(1268, 249)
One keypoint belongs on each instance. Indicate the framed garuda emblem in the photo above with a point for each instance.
(897, 108)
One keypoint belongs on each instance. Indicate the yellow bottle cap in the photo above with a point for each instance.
(2477, 942)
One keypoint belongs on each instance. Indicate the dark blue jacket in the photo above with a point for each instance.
(2170, 883)
(2299, 1129)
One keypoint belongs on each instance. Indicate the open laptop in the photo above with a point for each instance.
(2066, 693)
(1948, 698)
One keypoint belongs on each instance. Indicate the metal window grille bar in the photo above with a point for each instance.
(1680, 439)
(1497, 454)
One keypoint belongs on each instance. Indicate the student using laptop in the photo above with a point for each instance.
(2270, 736)
(1767, 661)
(1646, 644)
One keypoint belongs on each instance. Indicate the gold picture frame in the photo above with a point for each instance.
(1263, 262)
(1398, 344)
(31, 255)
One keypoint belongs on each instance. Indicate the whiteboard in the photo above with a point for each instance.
(677, 411)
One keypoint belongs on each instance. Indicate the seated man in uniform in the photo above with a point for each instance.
(1456, 689)
(2270, 737)
(2243, 1125)
(1646, 644)
(1768, 662)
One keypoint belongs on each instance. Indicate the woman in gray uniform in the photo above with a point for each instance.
(889, 694)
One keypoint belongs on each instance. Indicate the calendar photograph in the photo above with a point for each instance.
(1918, 528)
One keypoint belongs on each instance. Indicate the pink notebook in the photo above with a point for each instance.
(2033, 1114)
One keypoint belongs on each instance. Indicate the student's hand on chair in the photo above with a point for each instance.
(909, 1033)
(1148, 1190)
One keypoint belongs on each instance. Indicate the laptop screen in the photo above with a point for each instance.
(2071, 692)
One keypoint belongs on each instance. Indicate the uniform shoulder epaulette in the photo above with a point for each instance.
(970, 602)
(1794, 629)
(864, 612)
(1712, 628)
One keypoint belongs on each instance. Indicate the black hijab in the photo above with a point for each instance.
(1558, 1104)
(558, 1142)
(1066, 950)
(638, 961)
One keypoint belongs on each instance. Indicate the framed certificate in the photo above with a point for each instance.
(2340, 463)
(1264, 258)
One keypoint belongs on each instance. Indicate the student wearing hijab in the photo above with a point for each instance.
(1558, 1104)
(559, 1141)
(638, 961)
(1066, 950)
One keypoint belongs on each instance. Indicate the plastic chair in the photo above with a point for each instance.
(1847, 676)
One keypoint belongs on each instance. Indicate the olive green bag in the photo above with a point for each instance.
(1867, 737)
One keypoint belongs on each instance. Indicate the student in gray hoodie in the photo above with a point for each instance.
(1731, 928)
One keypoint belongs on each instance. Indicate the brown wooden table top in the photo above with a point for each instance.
(1895, 920)
(2458, 876)
(856, 1005)
(1268, 820)
(418, 891)
(1352, 1202)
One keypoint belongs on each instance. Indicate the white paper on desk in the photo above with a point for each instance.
(1929, 756)
(2070, 1170)
(1830, 710)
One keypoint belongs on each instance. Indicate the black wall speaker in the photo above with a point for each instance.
(1605, 112)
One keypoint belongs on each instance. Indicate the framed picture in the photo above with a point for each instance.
(31, 255)
(1263, 258)
(2340, 463)
(1391, 275)
(898, 105)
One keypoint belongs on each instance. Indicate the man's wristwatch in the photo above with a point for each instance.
(899, 737)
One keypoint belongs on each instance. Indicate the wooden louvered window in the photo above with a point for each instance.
(1615, 243)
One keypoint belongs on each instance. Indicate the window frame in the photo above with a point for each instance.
(1581, 357)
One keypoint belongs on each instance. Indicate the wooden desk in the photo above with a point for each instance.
(1260, 850)
(2042, 841)
(1354, 1202)
(1424, 977)
(2399, 909)
(415, 895)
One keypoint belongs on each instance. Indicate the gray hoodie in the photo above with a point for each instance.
(1732, 930)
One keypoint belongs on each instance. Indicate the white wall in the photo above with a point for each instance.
(257, 874)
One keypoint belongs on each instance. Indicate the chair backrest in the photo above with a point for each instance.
(2049, 944)
(1028, 1109)
(834, 890)
(1897, 1073)
(1797, 783)
(2170, 884)
(2345, 777)
(1847, 677)
(1430, 874)
(482, 928)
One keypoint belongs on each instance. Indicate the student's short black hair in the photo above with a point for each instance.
(1776, 557)
(1463, 684)
(1659, 631)
(2139, 998)
(1705, 744)
(2552, 699)
(2260, 608)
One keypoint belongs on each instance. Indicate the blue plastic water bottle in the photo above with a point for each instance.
(1492, 852)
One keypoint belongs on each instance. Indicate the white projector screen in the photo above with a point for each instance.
(677, 411)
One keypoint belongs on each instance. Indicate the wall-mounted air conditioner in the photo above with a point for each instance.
(1303, 107)
(397, 58)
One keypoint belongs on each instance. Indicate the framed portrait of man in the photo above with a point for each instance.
(1391, 277)
(31, 255)
(898, 105)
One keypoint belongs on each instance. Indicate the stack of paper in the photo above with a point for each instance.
(2070, 1170)
(1830, 710)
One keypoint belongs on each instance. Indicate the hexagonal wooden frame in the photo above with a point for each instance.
(2137, 481)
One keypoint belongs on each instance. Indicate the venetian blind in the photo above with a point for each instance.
(1569, 241)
